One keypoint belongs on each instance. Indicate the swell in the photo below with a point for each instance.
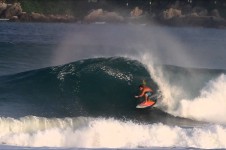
(18, 57)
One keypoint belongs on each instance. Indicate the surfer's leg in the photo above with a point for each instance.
(146, 97)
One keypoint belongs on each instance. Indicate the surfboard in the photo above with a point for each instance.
(149, 103)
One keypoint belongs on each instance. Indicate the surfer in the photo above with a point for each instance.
(145, 91)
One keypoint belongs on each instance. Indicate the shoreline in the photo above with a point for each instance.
(154, 24)
(171, 16)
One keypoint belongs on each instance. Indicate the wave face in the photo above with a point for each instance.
(106, 87)
(102, 86)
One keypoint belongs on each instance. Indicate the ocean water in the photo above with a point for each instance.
(72, 86)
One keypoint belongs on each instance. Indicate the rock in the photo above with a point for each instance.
(94, 15)
(197, 21)
(171, 13)
(61, 18)
(13, 10)
(136, 12)
(14, 13)
(3, 7)
(37, 17)
(194, 14)
(112, 17)
(215, 13)
(25, 17)
(100, 15)
(200, 11)
(14, 18)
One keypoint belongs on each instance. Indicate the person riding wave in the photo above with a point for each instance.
(145, 92)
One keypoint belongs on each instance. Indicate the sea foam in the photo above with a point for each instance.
(85, 132)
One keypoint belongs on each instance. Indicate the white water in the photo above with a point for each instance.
(209, 106)
(106, 133)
